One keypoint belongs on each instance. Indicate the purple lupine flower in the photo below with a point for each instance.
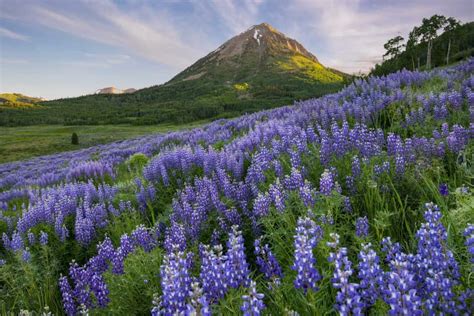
(307, 237)
(400, 290)
(355, 165)
(198, 304)
(390, 249)
(350, 184)
(237, 268)
(277, 195)
(347, 204)
(348, 299)
(175, 281)
(362, 227)
(326, 182)
(31, 238)
(6, 241)
(105, 254)
(400, 165)
(81, 277)
(43, 238)
(370, 275)
(175, 236)
(84, 230)
(253, 301)
(143, 237)
(100, 290)
(213, 272)
(267, 262)
(443, 189)
(261, 205)
(126, 247)
(307, 194)
(469, 233)
(67, 296)
(26, 255)
(436, 264)
(295, 180)
(16, 242)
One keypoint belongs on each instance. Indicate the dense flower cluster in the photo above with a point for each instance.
(227, 176)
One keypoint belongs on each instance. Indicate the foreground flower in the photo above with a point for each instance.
(237, 269)
(253, 302)
(370, 275)
(348, 300)
(469, 233)
(362, 227)
(307, 237)
(175, 282)
(443, 189)
(267, 262)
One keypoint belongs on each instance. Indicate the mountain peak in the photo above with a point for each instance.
(258, 53)
(266, 26)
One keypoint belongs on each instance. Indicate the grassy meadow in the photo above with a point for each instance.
(23, 142)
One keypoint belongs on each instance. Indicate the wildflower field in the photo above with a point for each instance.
(355, 203)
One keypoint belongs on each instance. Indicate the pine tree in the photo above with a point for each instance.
(75, 139)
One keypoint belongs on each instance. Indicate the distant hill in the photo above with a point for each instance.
(462, 46)
(257, 69)
(18, 101)
(113, 90)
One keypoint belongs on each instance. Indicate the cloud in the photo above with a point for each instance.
(13, 35)
(237, 16)
(137, 31)
(110, 59)
(344, 34)
(354, 31)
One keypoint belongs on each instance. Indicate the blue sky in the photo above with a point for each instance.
(68, 48)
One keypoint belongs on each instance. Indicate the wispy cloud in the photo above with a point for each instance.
(13, 35)
(137, 31)
(237, 16)
(350, 33)
(110, 59)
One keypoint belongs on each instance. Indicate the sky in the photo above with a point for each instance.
(65, 48)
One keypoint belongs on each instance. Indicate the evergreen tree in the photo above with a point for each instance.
(74, 139)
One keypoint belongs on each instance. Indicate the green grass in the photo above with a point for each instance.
(18, 143)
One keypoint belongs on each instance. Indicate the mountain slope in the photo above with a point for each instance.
(257, 69)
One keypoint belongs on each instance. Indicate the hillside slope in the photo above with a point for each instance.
(257, 69)
(17, 100)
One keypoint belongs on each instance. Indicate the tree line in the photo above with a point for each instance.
(430, 44)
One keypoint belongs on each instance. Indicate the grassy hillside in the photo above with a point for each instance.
(17, 101)
(462, 47)
(180, 103)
